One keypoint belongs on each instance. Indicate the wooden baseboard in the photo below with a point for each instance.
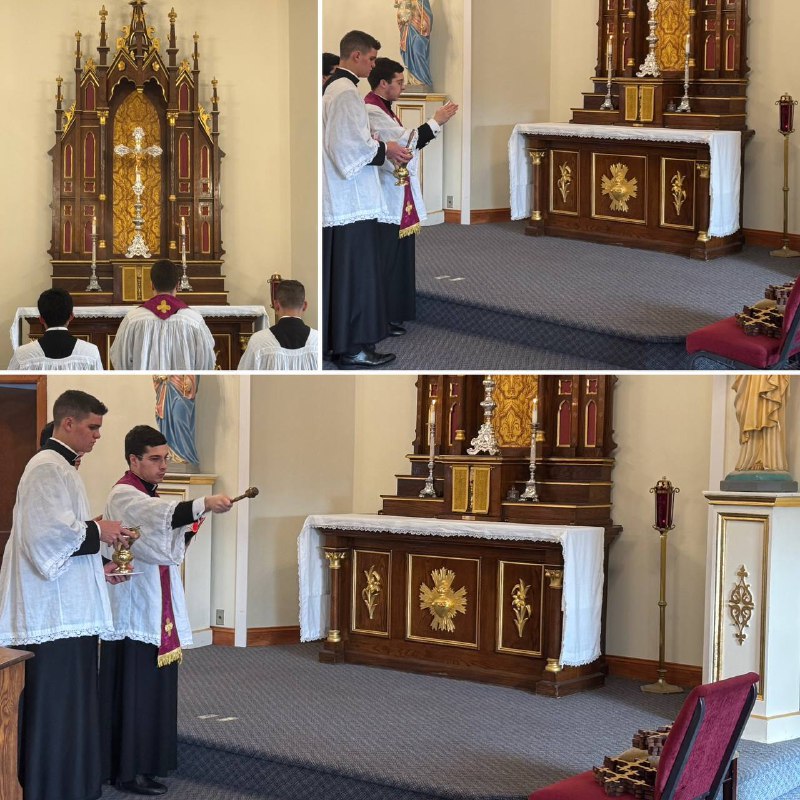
(645, 670)
(257, 637)
(480, 216)
(771, 239)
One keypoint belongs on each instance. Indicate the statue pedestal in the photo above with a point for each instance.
(753, 560)
(415, 110)
(196, 567)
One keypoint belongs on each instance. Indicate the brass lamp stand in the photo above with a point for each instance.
(665, 495)
(786, 127)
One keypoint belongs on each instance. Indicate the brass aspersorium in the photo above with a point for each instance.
(522, 609)
(442, 601)
(619, 188)
(370, 593)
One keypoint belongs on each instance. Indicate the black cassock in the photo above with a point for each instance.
(61, 695)
(139, 711)
(399, 256)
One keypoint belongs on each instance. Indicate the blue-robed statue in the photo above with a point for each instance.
(175, 416)
(415, 20)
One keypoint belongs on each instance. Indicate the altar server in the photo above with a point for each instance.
(163, 334)
(57, 349)
(139, 659)
(353, 290)
(54, 603)
(404, 208)
(289, 344)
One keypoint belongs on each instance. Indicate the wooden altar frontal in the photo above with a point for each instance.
(392, 591)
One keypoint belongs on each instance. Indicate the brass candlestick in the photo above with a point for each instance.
(786, 127)
(665, 494)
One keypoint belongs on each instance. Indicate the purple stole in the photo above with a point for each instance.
(409, 219)
(169, 651)
(164, 305)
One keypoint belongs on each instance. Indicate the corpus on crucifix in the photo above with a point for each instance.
(138, 247)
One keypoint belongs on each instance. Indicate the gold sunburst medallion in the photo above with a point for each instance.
(442, 601)
(619, 188)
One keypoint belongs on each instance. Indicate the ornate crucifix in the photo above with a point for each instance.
(138, 246)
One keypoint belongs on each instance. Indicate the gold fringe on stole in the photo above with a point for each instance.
(173, 657)
(410, 231)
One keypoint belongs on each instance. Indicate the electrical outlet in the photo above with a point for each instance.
(449, 201)
(220, 616)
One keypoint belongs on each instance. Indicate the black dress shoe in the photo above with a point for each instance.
(396, 329)
(141, 784)
(366, 359)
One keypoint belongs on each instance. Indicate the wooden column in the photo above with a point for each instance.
(333, 643)
(12, 681)
(703, 209)
(537, 155)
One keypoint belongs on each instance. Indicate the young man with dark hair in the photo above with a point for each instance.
(139, 659)
(57, 348)
(53, 602)
(163, 334)
(404, 208)
(353, 291)
(289, 344)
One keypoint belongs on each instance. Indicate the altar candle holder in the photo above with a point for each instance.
(651, 67)
(786, 127)
(428, 490)
(530, 494)
(485, 441)
(184, 285)
(608, 104)
(685, 107)
(94, 284)
(664, 493)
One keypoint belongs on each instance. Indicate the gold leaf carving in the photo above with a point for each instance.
(442, 601)
(522, 609)
(740, 604)
(565, 180)
(371, 592)
(618, 188)
(137, 111)
(678, 191)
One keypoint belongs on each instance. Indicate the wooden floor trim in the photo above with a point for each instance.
(646, 671)
(257, 637)
(771, 239)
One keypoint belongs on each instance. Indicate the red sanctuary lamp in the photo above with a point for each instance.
(664, 493)
(786, 127)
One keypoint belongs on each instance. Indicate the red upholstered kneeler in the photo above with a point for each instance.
(698, 751)
(725, 342)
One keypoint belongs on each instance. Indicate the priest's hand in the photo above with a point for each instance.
(445, 112)
(218, 503)
(397, 153)
(112, 531)
(111, 577)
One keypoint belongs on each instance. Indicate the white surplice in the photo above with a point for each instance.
(31, 357)
(136, 603)
(181, 342)
(264, 352)
(46, 593)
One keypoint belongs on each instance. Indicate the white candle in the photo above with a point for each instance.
(611, 47)
(688, 49)
(535, 412)
(94, 226)
(183, 226)
(431, 424)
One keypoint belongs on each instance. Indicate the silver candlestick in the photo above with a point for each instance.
(428, 490)
(485, 441)
(530, 486)
(650, 65)
(608, 105)
(184, 285)
(94, 284)
(685, 107)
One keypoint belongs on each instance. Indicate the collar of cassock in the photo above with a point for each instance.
(164, 305)
(341, 72)
(129, 479)
(69, 454)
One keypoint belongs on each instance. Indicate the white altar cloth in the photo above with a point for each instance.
(582, 598)
(726, 168)
(88, 312)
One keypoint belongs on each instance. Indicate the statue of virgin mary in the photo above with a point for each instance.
(415, 20)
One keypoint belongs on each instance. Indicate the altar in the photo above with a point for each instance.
(231, 327)
(518, 605)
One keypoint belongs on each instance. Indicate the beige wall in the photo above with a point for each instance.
(268, 176)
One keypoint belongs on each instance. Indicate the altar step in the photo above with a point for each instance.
(691, 121)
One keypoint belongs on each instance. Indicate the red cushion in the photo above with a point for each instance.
(725, 338)
(576, 788)
(792, 306)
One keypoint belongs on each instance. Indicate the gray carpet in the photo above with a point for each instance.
(286, 723)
